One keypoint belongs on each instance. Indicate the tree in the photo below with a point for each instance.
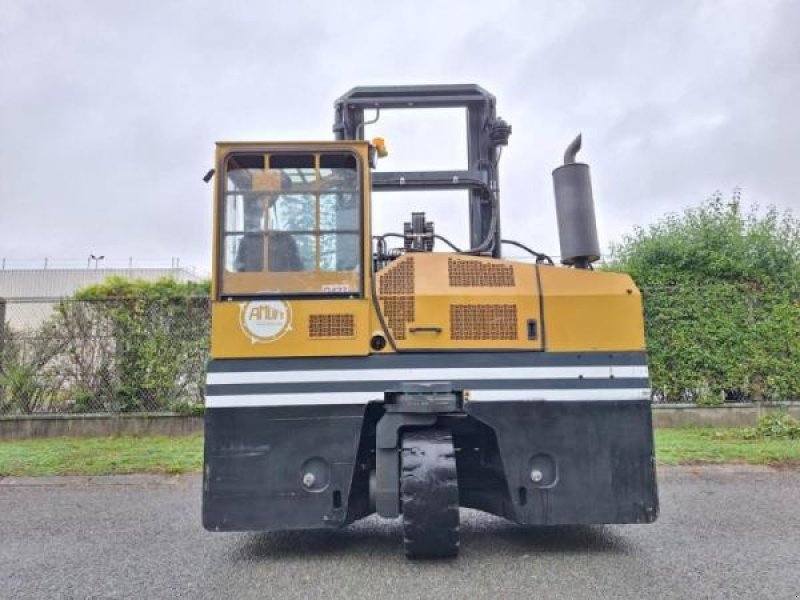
(721, 290)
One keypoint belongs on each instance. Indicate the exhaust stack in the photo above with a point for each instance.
(577, 228)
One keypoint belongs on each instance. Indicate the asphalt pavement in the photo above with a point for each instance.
(724, 532)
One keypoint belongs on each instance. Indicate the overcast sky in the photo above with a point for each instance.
(109, 109)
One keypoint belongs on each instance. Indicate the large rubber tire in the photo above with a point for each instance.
(429, 494)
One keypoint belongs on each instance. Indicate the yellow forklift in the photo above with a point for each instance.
(355, 372)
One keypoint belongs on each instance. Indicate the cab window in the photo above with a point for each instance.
(291, 224)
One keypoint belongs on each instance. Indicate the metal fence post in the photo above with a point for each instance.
(2, 346)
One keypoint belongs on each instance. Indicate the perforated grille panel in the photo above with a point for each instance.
(399, 311)
(473, 273)
(396, 289)
(398, 278)
(483, 321)
(332, 326)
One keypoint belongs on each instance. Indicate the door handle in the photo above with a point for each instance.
(425, 329)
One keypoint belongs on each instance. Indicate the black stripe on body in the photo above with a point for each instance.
(439, 360)
(244, 414)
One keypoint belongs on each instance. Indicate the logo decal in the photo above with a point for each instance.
(265, 320)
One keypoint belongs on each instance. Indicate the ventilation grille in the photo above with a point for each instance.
(398, 278)
(397, 294)
(474, 273)
(483, 321)
(399, 311)
(332, 326)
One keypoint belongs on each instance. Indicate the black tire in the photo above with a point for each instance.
(429, 494)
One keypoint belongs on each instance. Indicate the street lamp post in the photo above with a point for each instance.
(96, 260)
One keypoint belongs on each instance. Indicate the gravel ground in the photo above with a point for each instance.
(724, 532)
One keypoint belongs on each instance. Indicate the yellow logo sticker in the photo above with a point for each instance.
(265, 320)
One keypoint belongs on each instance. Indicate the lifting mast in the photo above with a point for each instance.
(486, 132)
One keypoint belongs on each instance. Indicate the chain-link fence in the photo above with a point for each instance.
(126, 355)
(707, 344)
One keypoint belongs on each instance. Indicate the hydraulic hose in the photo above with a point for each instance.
(448, 242)
(540, 257)
(381, 238)
(488, 242)
(379, 313)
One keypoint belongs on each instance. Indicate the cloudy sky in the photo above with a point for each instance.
(109, 110)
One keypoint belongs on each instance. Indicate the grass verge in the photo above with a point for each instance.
(118, 455)
(708, 445)
(101, 456)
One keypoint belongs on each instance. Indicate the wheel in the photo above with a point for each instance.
(429, 494)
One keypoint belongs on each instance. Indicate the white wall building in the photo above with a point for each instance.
(31, 293)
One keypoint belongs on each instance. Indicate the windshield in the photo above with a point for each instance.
(291, 224)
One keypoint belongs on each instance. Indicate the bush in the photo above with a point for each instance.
(119, 346)
(775, 425)
(83, 373)
(721, 293)
(25, 369)
(160, 332)
(23, 392)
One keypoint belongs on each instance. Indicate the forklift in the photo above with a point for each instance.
(355, 372)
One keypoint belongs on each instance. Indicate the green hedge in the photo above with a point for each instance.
(722, 302)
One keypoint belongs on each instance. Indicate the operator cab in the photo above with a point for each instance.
(291, 224)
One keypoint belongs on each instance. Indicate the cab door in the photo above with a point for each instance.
(291, 259)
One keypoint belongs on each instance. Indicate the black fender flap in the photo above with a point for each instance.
(575, 462)
(256, 459)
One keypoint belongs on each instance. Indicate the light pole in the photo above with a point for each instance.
(96, 260)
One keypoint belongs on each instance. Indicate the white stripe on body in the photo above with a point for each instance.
(241, 400)
(405, 374)
(625, 394)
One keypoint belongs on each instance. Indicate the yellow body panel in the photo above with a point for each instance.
(307, 282)
(458, 304)
(232, 339)
(590, 310)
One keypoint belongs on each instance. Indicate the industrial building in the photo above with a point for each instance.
(30, 294)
